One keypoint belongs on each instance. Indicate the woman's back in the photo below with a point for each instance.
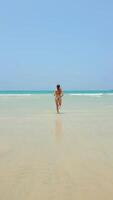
(58, 92)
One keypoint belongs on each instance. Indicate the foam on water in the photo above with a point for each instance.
(15, 95)
(97, 95)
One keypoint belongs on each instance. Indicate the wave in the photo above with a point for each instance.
(45, 94)
(91, 94)
(15, 95)
(22, 95)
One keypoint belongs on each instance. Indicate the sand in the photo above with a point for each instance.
(46, 156)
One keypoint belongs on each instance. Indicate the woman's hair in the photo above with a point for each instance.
(58, 87)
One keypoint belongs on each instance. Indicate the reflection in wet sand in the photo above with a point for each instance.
(58, 129)
(56, 157)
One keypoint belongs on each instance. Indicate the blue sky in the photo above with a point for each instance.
(46, 42)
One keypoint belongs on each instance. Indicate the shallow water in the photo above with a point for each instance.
(44, 155)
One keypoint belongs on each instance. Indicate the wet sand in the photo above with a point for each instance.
(44, 155)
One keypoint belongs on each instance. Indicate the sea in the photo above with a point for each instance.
(70, 92)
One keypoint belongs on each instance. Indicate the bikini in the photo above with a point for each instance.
(58, 98)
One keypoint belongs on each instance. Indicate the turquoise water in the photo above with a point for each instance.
(50, 91)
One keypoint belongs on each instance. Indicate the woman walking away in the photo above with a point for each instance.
(58, 97)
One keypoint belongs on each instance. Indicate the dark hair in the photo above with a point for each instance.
(58, 87)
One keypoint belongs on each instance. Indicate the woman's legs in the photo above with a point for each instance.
(57, 105)
(60, 102)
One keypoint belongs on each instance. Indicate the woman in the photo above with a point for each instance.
(58, 97)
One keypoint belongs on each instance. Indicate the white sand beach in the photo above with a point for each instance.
(46, 156)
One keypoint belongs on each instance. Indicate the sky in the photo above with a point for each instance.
(49, 42)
